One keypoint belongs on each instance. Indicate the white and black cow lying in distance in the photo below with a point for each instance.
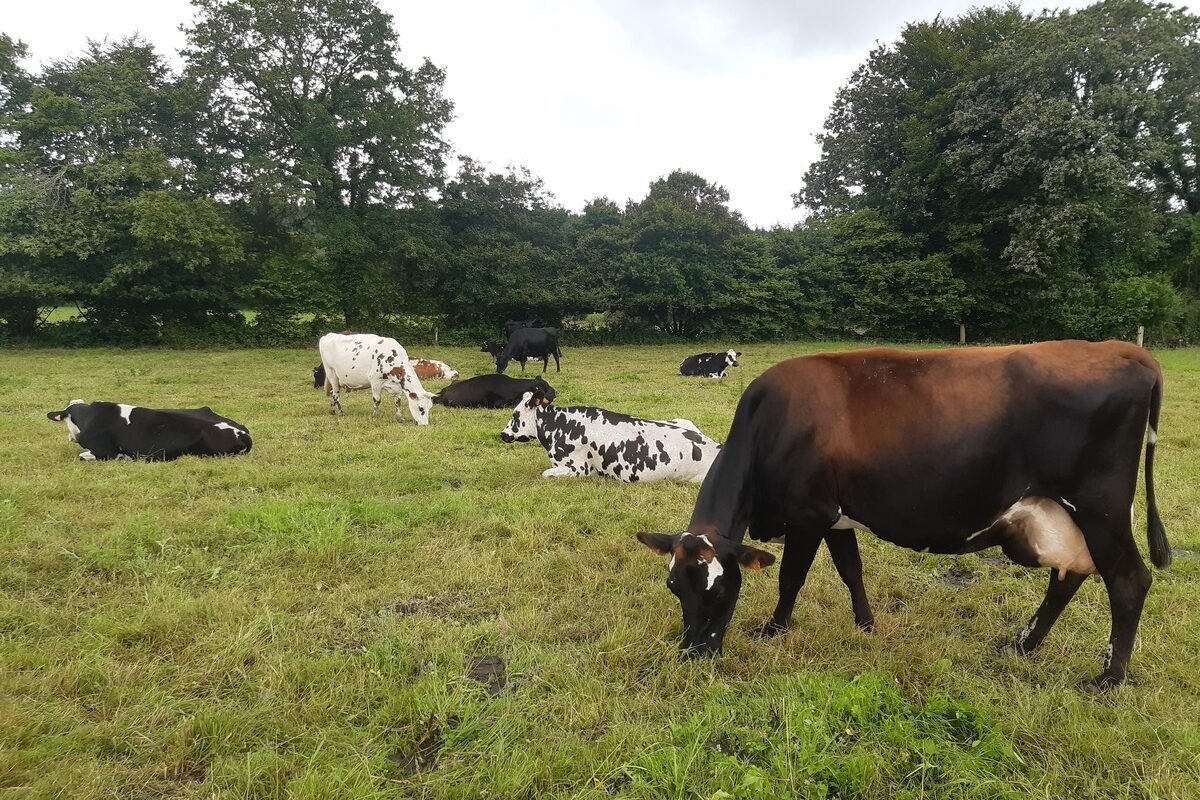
(1031, 448)
(109, 431)
(709, 365)
(491, 391)
(361, 360)
(591, 441)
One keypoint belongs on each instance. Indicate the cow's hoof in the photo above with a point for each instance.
(1009, 647)
(1102, 683)
(768, 630)
(865, 625)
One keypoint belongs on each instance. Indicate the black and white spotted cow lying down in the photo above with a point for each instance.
(581, 440)
(709, 365)
(120, 431)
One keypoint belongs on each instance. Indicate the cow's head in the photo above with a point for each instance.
(60, 416)
(319, 376)
(420, 402)
(523, 425)
(492, 348)
(539, 385)
(65, 416)
(731, 358)
(705, 573)
(449, 373)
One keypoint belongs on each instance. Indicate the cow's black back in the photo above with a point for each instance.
(490, 391)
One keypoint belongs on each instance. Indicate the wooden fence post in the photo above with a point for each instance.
(962, 333)
(1141, 334)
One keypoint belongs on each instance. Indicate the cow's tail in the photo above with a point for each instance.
(1156, 534)
(319, 376)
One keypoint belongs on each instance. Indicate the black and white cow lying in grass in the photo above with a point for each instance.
(581, 440)
(709, 365)
(108, 431)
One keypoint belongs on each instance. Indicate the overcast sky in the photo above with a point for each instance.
(600, 97)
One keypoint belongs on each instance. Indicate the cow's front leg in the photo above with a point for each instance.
(559, 471)
(843, 547)
(399, 411)
(376, 399)
(87, 455)
(799, 549)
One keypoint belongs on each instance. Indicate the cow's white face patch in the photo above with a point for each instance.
(522, 427)
(225, 426)
(731, 358)
(126, 411)
(715, 571)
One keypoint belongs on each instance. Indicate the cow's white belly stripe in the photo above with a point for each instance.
(126, 411)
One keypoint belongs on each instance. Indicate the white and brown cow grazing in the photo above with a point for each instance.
(592, 441)
(427, 368)
(119, 431)
(362, 360)
(1031, 448)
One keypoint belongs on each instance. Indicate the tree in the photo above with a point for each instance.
(314, 117)
(97, 213)
(1043, 157)
(677, 235)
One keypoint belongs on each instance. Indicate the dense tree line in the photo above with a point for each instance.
(1028, 176)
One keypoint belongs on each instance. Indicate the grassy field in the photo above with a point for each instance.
(363, 609)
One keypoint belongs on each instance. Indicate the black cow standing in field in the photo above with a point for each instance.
(709, 365)
(491, 391)
(121, 431)
(1033, 448)
(531, 343)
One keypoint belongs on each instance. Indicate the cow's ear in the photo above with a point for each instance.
(661, 543)
(56, 416)
(753, 558)
(535, 398)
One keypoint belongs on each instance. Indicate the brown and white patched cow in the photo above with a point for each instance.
(361, 360)
(427, 368)
(1031, 448)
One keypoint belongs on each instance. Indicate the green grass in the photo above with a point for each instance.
(301, 622)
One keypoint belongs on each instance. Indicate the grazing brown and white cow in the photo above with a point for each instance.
(1032, 448)
(362, 360)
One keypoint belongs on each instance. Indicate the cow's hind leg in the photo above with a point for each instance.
(545, 363)
(1058, 594)
(1127, 581)
(843, 547)
(799, 550)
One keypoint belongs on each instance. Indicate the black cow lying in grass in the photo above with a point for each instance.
(490, 391)
(1030, 448)
(119, 431)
